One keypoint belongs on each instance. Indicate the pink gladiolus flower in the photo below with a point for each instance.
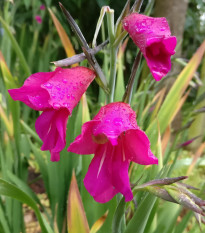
(42, 7)
(115, 139)
(153, 37)
(55, 93)
(38, 19)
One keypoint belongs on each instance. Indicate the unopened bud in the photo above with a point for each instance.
(160, 192)
(196, 199)
(183, 199)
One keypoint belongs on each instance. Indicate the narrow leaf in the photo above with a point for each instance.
(197, 155)
(169, 106)
(63, 36)
(98, 224)
(99, 23)
(12, 191)
(77, 221)
(16, 47)
(141, 216)
(85, 110)
(118, 216)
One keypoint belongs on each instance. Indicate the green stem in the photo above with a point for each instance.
(129, 90)
(120, 38)
(113, 60)
(113, 53)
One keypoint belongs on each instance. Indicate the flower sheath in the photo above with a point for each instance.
(55, 93)
(115, 139)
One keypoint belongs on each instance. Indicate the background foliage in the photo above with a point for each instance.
(26, 172)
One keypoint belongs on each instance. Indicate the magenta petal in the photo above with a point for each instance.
(55, 156)
(98, 178)
(84, 143)
(170, 44)
(114, 119)
(137, 148)
(61, 88)
(120, 177)
(51, 128)
(31, 92)
(153, 37)
(157, 54)
(67, 86)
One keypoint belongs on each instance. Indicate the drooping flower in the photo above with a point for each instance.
(55, 93)
(115, 138)
(153, 37)
(38, 19)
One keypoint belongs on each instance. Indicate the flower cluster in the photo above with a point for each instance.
(113, 135)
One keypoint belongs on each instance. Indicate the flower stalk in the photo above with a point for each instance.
(129, 90)
(113, 52)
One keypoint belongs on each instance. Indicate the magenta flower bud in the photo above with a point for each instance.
(55, 93)
(153, 37)
(38, 19)
(42, 7)
(115, 138)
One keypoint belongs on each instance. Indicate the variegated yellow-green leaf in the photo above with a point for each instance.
(197, 155)
(197, 127)
(98, 224)
(8, 79)
(8, 123)
(85, 110)
(159, 149)
(172, 101)
(63, 36)
(77, 221)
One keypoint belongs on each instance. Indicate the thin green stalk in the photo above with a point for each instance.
(113, 60)
(120, 38)
(33, 47)
(113, 52)
(129, 90)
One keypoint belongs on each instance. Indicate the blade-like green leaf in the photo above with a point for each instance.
(141, 216)
(16, 48)
(169, 106)
(63, 36)
(98, 224)
(12, 191)
(118, 216)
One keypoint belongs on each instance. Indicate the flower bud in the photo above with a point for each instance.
(160, 192)
(183, 199)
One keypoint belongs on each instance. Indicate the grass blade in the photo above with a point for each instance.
(169, 106)
(77, 221)
(63, 36)
(16, 48)
(12, 191)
